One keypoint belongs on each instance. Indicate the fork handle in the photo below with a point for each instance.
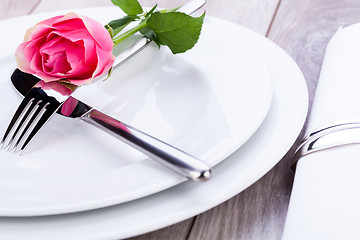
(173, 158)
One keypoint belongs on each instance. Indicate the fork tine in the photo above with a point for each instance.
(51, 109)
(24, 118)
(24, 105)
(39, 107)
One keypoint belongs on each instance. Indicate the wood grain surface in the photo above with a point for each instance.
(302, 28)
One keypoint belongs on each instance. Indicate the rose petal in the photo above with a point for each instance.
(59, 66)
(67, 16)
(74, 53)
(101, 69)
(37, 32)
(75, 57)
(31, 48)
(106, 62)
(21, 60)
(50, 41)
(50, 21)
(75, 35)
(36, 62)
(99, 33)
(40, 29)
(81, 38)
(46, 77)
(57, 45)
(69, 24)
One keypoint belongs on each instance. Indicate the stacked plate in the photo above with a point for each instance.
(236, 100)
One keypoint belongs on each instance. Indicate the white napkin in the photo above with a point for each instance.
(325, 200)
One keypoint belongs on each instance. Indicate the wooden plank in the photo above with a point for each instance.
(253, 14)
(52, 5)
(304, 27)
(14, 8)
(49, 5)
(174, 232)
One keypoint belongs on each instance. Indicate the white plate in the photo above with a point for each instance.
(265, 148)
(208, 102)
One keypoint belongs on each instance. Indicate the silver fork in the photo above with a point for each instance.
(38, 106)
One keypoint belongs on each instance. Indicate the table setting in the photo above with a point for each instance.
(229, 134)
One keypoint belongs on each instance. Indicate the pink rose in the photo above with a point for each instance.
(71, 47)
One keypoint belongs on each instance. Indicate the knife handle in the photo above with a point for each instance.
(173, 158)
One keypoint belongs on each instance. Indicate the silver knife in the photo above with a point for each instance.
(174, 158)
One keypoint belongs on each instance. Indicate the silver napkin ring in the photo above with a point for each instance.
(334, 135)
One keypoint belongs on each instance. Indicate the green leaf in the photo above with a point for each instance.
(178, 31)
(151, 11)
(130, 7)
(110, 30)
(109, 73)
(147, 32)
(119, 24)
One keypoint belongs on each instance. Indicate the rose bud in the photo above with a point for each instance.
(71, 47)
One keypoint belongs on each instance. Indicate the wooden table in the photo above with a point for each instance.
(302, 28)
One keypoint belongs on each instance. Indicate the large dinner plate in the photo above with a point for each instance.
(208, 102)
(263, 150)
